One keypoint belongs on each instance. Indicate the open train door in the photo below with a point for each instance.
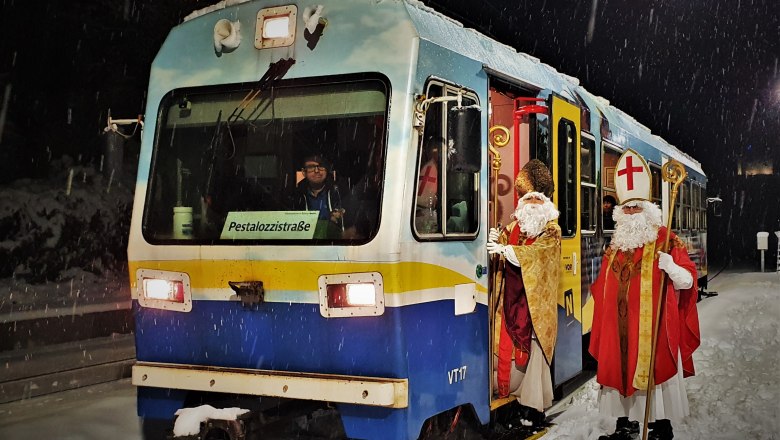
(565, 149)
(548, 131)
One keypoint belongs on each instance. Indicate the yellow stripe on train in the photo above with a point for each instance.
(398, 278)
(291, 275)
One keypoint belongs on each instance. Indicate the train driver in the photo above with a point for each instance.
(318, 192)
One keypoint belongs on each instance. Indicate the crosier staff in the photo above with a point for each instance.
(674, 173)
(500, 136)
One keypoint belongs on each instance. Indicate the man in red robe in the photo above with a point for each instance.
(626, 295)
(529, 251)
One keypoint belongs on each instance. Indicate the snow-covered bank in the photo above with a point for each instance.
(736, 391)
(63, 242)
(74, 220)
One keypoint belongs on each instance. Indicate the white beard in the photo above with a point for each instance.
(533, 218)
(633, 231)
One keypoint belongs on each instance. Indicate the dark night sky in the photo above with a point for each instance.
(703, 74)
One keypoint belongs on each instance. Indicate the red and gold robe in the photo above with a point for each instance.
(530, 296)
(621, 339)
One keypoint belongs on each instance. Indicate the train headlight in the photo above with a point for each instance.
(351, 295)
(355, 294)
(164, 290)
(361, 294)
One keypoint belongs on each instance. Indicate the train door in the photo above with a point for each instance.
(551, 134)
(565, 151)
(509, 151)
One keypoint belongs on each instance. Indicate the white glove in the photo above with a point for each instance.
(493, 235)
(509, 253)
(494, 248)
(506, 251)
(681, 278)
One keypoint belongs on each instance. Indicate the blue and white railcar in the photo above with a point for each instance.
(240, 290)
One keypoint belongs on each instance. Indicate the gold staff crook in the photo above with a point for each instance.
(500, 137)
(674, 173)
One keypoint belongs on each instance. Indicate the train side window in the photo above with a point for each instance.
(446, 199)
(685, 197)
(655, 177)
(677, 217)
(609, 161)
(567, 169)
(680, 220)
(427, 215)
(695, 190)
(703, 207)
(691, 209)
(588, 183)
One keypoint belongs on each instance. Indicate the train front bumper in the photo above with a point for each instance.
(372, 391)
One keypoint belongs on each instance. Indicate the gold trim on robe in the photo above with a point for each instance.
(540, 263)
(645, 343)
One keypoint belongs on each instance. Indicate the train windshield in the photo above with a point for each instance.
(294, 163)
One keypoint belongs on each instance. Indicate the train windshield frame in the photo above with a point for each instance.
(300, 162)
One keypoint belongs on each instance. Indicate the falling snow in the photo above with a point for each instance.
(702, 74)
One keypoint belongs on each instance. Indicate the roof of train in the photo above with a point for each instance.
(505, 61)
(451, 34)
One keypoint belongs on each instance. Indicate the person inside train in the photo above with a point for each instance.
(608, 207)
(426, 212)
(319, 192)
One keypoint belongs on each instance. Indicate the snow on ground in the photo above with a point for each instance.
(80, 292)
(735, 393)
(99, 412)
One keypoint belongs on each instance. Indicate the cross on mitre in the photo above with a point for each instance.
(632, 177)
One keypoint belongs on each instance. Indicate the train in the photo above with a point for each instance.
(242, 296)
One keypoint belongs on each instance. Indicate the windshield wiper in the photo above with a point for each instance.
(211, 156)
(274, 73)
